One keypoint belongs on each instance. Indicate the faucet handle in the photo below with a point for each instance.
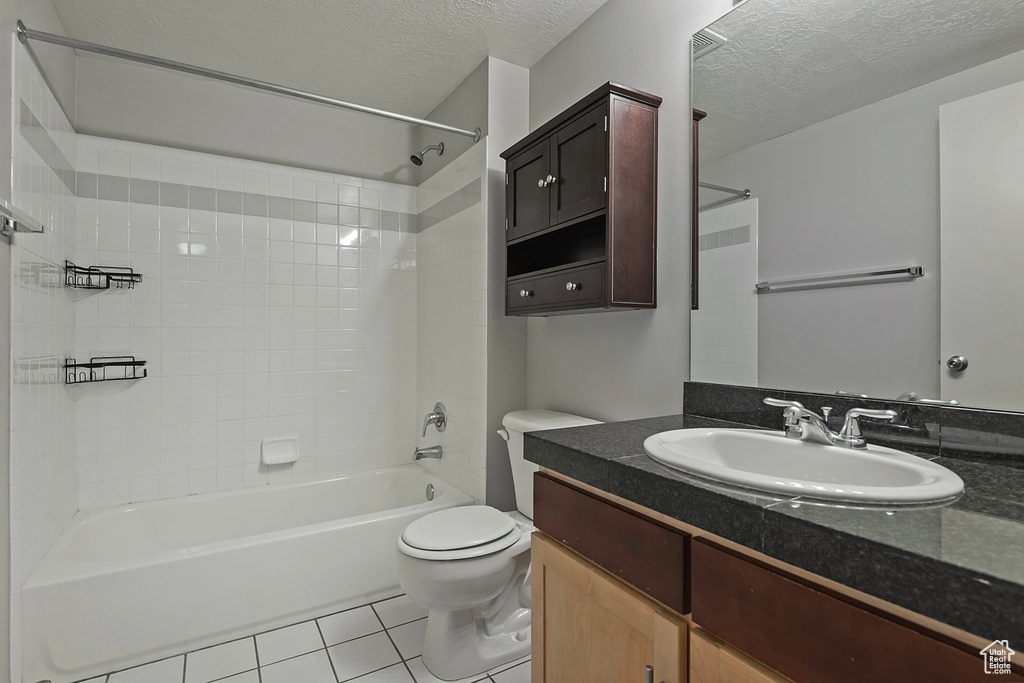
(784, 404)
(851, 426)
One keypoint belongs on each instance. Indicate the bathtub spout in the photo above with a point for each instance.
(431, 452)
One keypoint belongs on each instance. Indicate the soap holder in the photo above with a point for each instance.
(279, 451)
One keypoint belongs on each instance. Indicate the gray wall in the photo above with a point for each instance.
(465, 107)
(860, 190)
(508, 118)
(176, 110)
(620, 365)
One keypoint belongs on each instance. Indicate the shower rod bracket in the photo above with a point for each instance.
(25, 34)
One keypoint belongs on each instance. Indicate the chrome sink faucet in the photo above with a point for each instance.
(806, 425)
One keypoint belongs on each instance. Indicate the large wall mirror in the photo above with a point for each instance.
(880, 250)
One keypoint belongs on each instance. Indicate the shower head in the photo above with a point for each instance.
(418, 158)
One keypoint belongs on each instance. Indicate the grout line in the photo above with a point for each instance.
(326, 651)
(259, 669)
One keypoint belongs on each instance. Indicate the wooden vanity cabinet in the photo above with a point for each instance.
(591, 628)
(581, 208)
(615, 587)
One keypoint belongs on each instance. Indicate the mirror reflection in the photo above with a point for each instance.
(878, 250)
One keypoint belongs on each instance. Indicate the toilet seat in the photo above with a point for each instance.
(459, 533)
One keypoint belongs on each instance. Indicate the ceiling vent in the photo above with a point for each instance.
(706, 40)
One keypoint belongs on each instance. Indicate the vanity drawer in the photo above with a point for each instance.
(809, 635)
(549, 291)
(642, 552)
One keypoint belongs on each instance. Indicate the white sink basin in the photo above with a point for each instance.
(769, 461)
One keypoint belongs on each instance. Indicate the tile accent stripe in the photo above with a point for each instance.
(39, 138)
(458, 201)
(118, 189)
(724, 238)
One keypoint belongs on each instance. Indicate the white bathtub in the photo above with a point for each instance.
(136, 583)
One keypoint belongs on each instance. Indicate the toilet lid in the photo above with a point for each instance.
(457, 528)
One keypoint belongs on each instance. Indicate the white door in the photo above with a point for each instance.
(981, 148)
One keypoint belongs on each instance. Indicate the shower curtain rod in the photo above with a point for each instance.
(740, 196)
(25, 34)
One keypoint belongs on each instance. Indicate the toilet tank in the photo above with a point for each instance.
(516, 424)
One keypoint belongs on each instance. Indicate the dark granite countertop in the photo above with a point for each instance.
(962, 564)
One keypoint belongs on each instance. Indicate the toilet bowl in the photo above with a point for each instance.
(470, 568)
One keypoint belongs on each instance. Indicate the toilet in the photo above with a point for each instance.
(470, 567)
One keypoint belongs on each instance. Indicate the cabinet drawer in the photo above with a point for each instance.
(642, 552)
(549, 291)
(809, 635)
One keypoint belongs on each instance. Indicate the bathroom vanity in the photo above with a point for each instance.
(637, 565)
(581, 207)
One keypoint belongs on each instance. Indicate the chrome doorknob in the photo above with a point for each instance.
(957, 363)
(525, 293)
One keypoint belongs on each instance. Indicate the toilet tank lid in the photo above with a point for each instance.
(537, 420)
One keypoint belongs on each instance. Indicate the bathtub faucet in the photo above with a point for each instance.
(438, 417)
(430, 452)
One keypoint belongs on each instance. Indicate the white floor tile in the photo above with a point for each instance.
(353, 623)
(363, 655)
(273, 646)
(393, 674)
(312, 668)
(212, 663)
(164, 671)
(247, 677)
(422, 675)
(409, 638)
(509, 665)
(517, 674)
(398, 611)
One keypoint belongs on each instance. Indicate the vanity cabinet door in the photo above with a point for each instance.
(590, 628)
(712, 661)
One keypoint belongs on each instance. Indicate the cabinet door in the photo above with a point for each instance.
(590, 628)
(579, 165)
(712, 661)
(528, 202)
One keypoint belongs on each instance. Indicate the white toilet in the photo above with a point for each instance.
(470, 567)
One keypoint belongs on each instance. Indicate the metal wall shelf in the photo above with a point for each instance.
(100, 277)
(103, 369)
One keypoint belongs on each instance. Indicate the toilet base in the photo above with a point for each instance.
(467, 642)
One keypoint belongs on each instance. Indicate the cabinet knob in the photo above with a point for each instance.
(524, 293)
(542, 183)
(551, 180)
(570, 286)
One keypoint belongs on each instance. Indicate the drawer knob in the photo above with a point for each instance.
(570, 286)
(524, 293)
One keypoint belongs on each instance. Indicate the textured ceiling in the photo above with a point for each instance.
(791, 63)
(400, 55)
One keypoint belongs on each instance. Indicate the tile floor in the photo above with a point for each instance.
(376, 643)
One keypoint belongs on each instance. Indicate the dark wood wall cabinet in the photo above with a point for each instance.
(581, 208)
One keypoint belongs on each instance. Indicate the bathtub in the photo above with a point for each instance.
(129, 585)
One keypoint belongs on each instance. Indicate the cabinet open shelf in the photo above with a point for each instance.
(100, 277)
(103, 369)
(558, 248)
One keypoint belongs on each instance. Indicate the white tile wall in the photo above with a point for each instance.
(253, 328)
(43, 484)
(723, 343)
(452, 324)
